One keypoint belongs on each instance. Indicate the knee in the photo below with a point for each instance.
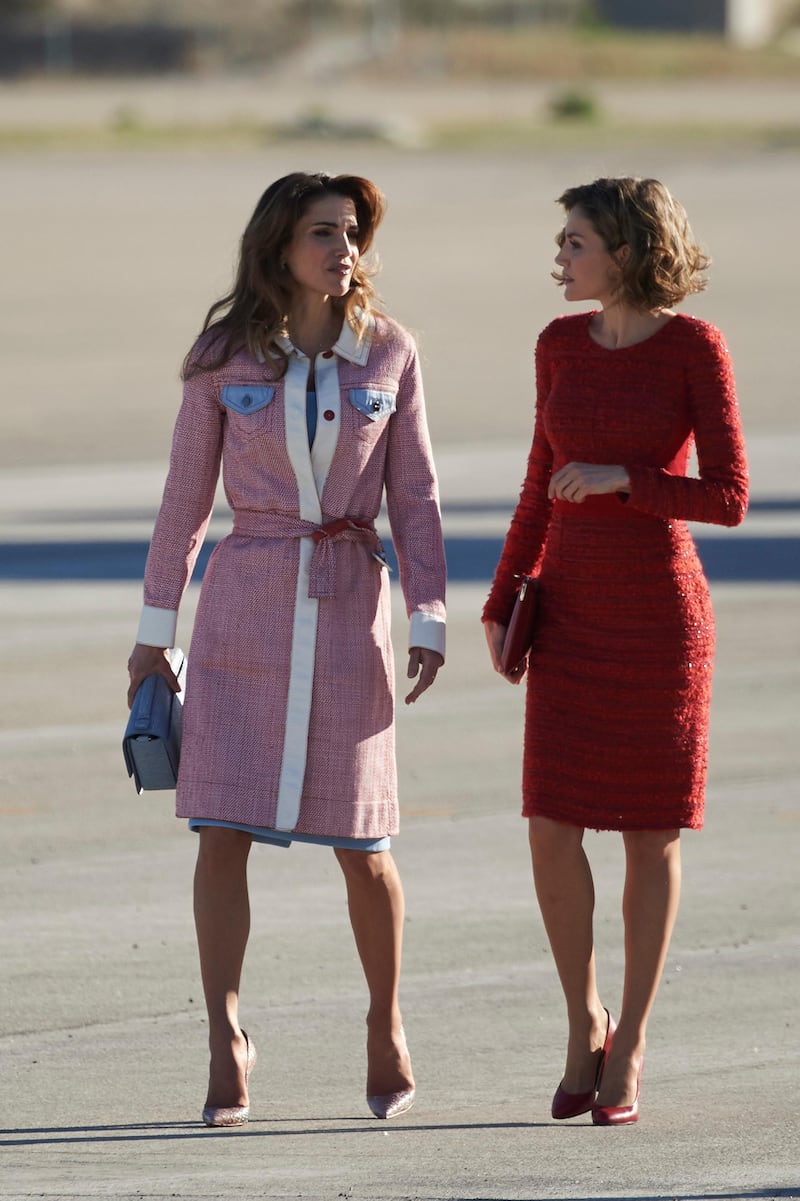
(551, 841)
(365, 867)
(653, 853)
(222, 848)
(653, 846)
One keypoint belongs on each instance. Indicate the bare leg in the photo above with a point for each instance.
(222, 921)
(649, 908)
(565, 891)
(377, 910)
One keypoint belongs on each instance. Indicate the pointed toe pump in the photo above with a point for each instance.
(571, 1105)
(233, 1115)
(391, 1105)
(619, 1115)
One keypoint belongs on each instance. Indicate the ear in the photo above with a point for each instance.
(622, 254)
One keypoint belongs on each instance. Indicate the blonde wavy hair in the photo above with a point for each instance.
(664, 264)
(253, 313)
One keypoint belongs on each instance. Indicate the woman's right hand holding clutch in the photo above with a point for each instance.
(147, 661)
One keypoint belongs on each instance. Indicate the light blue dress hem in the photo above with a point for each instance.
(285, 838)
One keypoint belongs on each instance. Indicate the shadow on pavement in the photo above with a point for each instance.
(34, 1136)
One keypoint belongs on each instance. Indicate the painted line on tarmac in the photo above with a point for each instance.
(79, 732)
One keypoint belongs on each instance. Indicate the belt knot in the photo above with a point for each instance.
(322, 570)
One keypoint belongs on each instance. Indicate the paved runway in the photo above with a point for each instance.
(102, 1041)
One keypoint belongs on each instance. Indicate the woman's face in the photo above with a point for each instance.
(323, 252)
(587, 269)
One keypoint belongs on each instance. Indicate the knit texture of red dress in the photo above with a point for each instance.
(619, 678)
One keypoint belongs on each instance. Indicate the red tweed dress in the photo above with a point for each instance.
(619, 680)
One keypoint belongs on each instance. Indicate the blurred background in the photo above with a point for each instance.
(136, 135)
(489, 37)
(135, 139)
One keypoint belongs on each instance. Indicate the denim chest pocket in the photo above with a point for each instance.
(246, 399)
(247, 408)
(373, 402)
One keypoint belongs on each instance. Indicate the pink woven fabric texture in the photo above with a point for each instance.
(245, 658)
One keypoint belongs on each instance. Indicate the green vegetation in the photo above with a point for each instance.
(126, 132)
(537, 53)
(597, 135)
(574, 105)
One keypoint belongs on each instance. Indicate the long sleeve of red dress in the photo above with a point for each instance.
(719, 495)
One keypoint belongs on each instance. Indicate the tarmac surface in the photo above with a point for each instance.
(110, 263)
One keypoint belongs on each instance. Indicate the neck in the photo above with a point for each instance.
(620, 325)
(314, 326)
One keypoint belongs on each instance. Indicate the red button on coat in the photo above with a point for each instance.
(329, 414)
(327, 354)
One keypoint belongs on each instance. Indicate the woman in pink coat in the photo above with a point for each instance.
(311, 402)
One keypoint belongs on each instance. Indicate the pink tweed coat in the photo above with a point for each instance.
(289, 710)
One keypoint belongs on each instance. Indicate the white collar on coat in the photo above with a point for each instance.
(346, 346)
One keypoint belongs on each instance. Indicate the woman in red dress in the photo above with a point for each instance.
(619, 677)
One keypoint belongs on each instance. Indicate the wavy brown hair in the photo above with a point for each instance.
(254, 313)
(664, 264)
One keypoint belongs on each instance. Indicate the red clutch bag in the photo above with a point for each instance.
(519, 635)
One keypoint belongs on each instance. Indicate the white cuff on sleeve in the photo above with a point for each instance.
(157, 627)
(428, 632)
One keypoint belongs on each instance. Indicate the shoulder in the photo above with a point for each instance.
(205, 359)
(388, 331)
(566, 328)
(563, 332)
(207, 353)
(390, 342)
(702, 350)
(202, 352)
(698, 336)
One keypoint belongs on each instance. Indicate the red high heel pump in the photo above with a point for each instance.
(620, 1115)
(571, 1105)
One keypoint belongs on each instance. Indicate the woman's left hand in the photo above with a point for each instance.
(576, 481)
(425, 664)
(495, 637)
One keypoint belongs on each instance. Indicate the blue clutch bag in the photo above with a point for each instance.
(152, 742)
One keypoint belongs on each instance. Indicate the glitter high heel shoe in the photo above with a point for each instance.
(233, 1115)
(391, 1105)
(571, 1105)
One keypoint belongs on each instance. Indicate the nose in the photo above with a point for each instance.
(348, 246)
